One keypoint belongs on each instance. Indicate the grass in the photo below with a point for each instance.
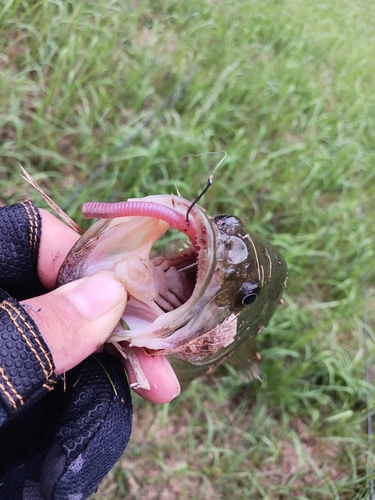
(109, 100)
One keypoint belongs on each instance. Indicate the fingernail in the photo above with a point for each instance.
(95, 296)
(172, 374)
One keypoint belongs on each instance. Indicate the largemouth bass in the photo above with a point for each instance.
(199, 305)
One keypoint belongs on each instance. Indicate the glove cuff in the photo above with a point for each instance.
(27, 369)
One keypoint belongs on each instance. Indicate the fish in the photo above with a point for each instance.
(199, 304)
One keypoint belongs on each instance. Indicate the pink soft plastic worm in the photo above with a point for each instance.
(95, 209)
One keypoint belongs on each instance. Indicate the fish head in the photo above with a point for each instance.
(197, 305)
(245, 289)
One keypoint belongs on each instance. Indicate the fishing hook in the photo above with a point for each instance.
(209, 180)
(209, 183)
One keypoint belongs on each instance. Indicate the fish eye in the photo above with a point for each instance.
(247, 294)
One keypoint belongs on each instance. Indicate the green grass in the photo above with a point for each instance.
(287, 89)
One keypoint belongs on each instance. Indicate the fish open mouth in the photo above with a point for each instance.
(163, 291)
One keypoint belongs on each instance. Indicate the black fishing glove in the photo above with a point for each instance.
(58, 437)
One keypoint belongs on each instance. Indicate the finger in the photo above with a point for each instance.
(77, 318)
(56, 241)
(160, 374)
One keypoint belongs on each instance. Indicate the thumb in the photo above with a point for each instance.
(77, 318)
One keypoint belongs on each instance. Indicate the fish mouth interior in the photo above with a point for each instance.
(176, 274)
(174, 278)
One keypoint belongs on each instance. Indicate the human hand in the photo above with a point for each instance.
(65, 440)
